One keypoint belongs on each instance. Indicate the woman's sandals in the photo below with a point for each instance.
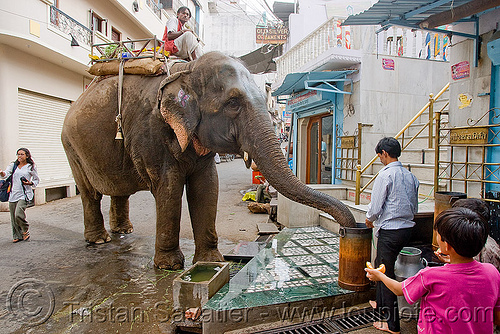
(26, 236)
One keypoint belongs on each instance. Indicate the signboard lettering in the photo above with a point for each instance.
(303, 99)
(460, 70)
(388, 64)
(473, 135)
(271, 35)
(348, 142)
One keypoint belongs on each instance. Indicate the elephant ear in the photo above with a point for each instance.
(178, 107)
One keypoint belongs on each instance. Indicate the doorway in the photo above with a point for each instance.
(319, 149)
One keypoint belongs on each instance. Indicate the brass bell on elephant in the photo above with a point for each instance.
(119, 134)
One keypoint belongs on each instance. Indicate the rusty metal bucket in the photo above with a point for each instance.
(443, 200)
(355, 249)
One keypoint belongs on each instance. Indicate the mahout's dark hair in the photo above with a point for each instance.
(475, 204)
(182, 9)
(390, 145)
(463, 229)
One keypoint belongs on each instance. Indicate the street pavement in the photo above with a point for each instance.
(56, 283)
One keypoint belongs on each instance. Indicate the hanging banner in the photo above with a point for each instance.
(428, 46)
(338, 31)
(446, 48)
(347, 37)
(460, 70)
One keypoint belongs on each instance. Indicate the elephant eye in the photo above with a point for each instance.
(233, 105)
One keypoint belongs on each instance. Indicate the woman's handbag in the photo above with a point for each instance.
(6, 185)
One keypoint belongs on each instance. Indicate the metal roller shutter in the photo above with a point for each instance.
(40, 123)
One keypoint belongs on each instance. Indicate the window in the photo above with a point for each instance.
(98, 23)
(115, 35)
(388, 45)
(167, 4)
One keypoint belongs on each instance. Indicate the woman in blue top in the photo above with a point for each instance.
(24, 179)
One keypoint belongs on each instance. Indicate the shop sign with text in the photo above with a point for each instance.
(460, 70)
(470, 136)
(271, 35)
(388, 64)
(303, 99)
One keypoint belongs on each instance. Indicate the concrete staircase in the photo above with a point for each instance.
(416, 157)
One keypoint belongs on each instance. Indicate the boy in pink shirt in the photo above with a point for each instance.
(462, 296)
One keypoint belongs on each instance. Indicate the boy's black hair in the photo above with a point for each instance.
(390, 145)
(182, 9)
(465, 230)
(475, 204)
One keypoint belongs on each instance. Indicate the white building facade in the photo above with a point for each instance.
(44, 54)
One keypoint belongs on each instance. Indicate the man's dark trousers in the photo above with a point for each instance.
(389, 244)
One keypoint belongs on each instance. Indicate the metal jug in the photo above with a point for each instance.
(408, 263)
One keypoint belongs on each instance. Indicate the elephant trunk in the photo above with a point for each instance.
(273, 165)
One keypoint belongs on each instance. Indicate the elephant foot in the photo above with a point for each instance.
(212, 255)
(172, 260)
(98, 238)
(125, 228)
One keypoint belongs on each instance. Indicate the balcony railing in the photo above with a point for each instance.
(327, 36)
(70, 26)
(154, 7)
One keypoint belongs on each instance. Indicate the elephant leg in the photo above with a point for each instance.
(168, 196)
(119, 221)
(95, 232)
(202, 194)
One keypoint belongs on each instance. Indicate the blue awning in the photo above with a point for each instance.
(297, 82)
(402, 12)
(423, 14)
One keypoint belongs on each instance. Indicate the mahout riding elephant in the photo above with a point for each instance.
(171, 127)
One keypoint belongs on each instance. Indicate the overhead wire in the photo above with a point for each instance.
(246, 16)
(262, 8)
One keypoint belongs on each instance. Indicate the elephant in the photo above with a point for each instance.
(172, 126)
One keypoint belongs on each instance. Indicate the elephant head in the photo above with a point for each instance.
(214, 104)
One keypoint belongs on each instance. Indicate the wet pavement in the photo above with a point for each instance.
(56, 283)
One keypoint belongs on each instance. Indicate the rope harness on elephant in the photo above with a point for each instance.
(118, 120)
(170, 78)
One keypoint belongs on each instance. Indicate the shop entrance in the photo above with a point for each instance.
(319, 149)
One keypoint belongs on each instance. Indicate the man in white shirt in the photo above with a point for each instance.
(394, 202)
(180, 40)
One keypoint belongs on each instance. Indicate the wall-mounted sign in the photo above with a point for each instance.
(460, 70)
(472, 135)
(465, 101)
(271, 35)
(388, 64)
(287, 117)
(347, 141)
(303, 99)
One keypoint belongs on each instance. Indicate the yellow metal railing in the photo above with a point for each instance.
(428, 106)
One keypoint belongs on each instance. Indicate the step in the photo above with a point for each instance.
(421, 171)
(415, 128)
(426, 189)
(423, 155)
(359, 212)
